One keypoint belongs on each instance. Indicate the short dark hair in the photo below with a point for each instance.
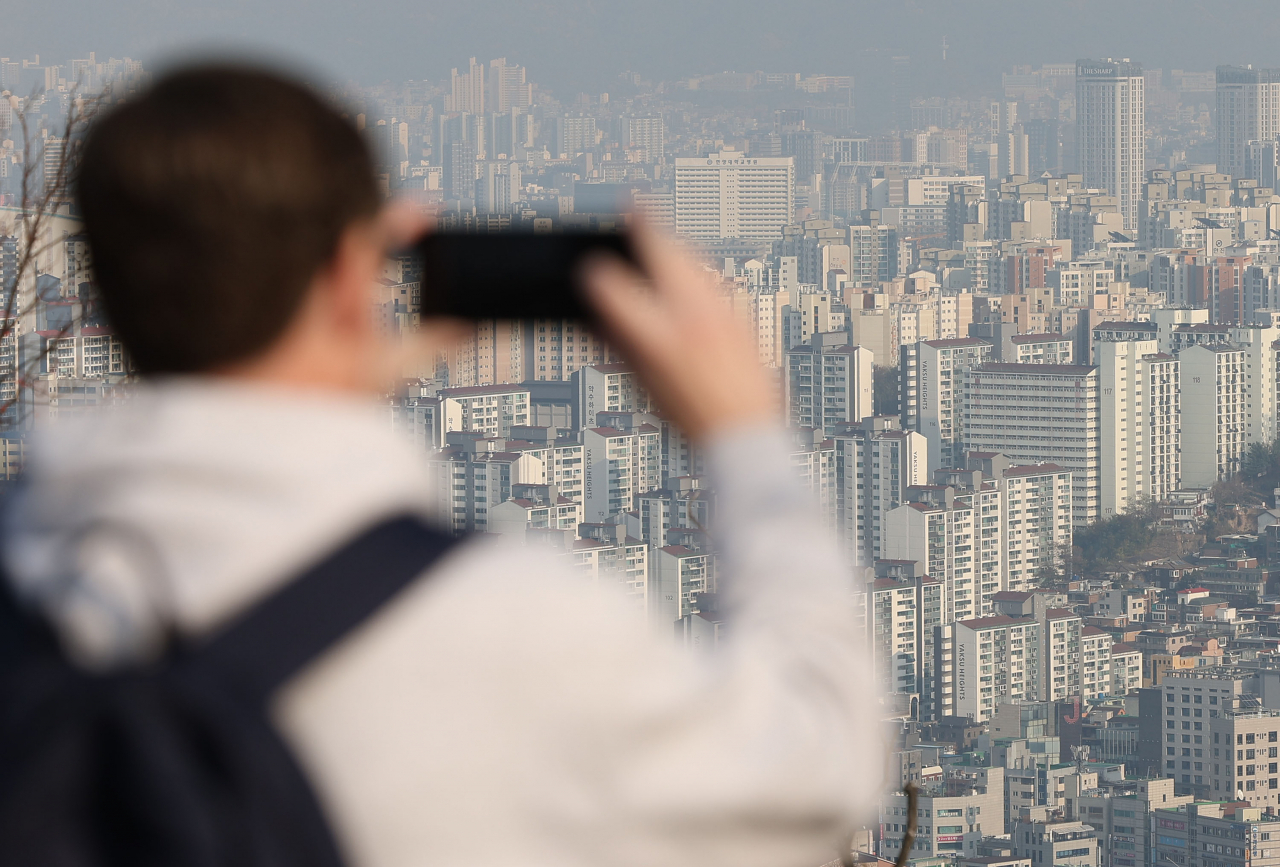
(210, 202)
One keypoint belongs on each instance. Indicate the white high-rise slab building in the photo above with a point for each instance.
(1139, 423)
(732, 195)
(827, 385)
(1215, 426)
(1248, 110)
(933, 393)
(648, 134)
(1111, 131)
(1039, 413)
(875, 464)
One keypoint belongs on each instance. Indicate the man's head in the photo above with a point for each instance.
(214, 204)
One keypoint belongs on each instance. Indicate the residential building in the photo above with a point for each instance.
(1111, 131)
(934, 394)
(876, 463)
(1039, 413)
(905, 614)
(1215, 427)
(1221, 833)
(1248, 110)
(1139, 423)
(828, 385)
(995, 660)
(619, 465)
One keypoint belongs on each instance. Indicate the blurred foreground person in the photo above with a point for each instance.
(494, 708)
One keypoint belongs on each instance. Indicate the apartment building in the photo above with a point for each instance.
(905, 614)
(1215, 834)
(827, 385)
(876, 462)
(617, 466)
(934, 394)
(1041, 349)
(995, 660)
(491, 410)
(1139, 424)
(1037, 525)
(1039, 413)
(1213, 381)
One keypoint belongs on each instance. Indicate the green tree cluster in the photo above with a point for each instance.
(1118, 539)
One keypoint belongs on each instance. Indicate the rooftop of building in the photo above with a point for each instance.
(1034, 470)
(1038, 369)
(949, 342)
(1126, 325)
(481, 390)
(1046, 337)
(989, 622)
(1202, 328)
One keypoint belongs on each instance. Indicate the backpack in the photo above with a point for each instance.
(177, 763)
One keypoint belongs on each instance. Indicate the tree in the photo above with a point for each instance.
(45, 185)
(1119, 539)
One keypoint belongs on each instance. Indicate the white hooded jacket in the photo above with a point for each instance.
(502, 710)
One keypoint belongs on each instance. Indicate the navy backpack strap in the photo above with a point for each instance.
(282, 633)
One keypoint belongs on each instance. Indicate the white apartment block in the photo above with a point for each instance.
(905, 614)
(1074, 284)
(1214, 427)
(1060, 655)
(809, 314)
(609, 388)
(681, 504)
(1111, 131)
(680, 574)
(648, 134)
(814, 464)
(732, 195)
(1095, 663)
(944, 537)
(494, 353)
(554, 349)
(933, 383)
(617, 467)
(826, 386)
(1248, 110)
(491, 410)
(468, 485)
(1126, 669)
(875, 464)
(89, 353)
(534, 507)
(1041, 349)
(656, 209)
(995, 660)
(1039, 413)
(1037, 521)
(1139, 424)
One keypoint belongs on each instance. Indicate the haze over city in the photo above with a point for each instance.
(582, 45)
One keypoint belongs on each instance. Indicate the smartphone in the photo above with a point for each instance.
(511, 275)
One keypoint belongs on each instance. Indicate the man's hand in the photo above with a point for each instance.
(696, 359)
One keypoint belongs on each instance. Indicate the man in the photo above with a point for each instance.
(499, 711)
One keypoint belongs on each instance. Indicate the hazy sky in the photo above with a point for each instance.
(581, 44)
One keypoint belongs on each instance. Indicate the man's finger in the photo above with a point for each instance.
(401, 224)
